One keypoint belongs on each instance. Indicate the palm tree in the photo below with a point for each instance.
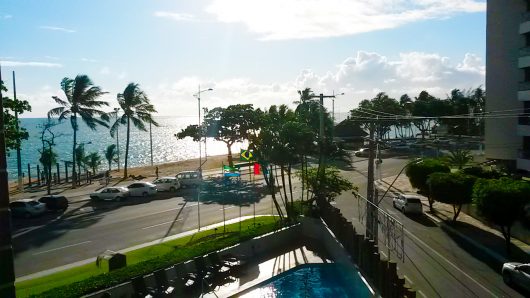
(93, 160)
(81, 100)
(110, 154)
(79, 157)
(459, 158)
(136, 109)
(48, 158)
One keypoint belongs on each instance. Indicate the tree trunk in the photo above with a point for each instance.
(456, 211)
(290, 184)
(281, 196)
(284, 186)
(127, 147)
(230, 159)
(307, 188)
(73, 121)
(506, 232)
(110, 165)
(431, 203)
(270, 183)
(49, 174)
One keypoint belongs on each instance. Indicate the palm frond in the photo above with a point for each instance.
(65, 115)
(138, 123)
(55, 111)
(114, 127)
(67, 87)
(60, 101)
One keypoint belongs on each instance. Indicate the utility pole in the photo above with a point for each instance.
(151, 141)
(7, 270)
(19, 159)
(371, 215)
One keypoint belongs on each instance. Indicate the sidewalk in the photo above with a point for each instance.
(479, 239)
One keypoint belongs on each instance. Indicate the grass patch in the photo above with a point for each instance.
(89, 278)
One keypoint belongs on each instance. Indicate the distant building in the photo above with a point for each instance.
(508, 82)
(349, 131)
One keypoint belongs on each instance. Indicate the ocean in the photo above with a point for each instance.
(166, 147)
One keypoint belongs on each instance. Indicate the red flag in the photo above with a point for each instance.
(256, 169)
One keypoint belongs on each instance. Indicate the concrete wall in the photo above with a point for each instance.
(503, 75)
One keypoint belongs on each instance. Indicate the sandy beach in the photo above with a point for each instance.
(165, 169)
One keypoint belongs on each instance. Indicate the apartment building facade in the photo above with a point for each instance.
(507, 136)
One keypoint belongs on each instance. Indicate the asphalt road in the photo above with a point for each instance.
(435, 264)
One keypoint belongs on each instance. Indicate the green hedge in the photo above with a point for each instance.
(103, 281)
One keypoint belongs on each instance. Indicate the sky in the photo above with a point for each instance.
(258, 52)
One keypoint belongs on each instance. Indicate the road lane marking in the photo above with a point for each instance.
(230, 207)
(62, 247)
(449, 262)
(161, 224)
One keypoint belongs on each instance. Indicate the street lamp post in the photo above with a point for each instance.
(116, 110)
(198, 95)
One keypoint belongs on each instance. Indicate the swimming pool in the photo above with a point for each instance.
(312, 280)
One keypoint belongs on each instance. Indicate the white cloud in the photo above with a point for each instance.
(5, 17)
(105, 70)
(30, 63)
(53, 28)
(177, 16)
(88, 60)
(298, 19)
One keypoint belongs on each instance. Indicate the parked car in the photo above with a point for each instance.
(26, 208)
(167, 184)
(142, 189)
(408, 203)
(517, 274)
(189, 178)
(54, 202)
(110, 194)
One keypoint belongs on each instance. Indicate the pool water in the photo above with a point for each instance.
(312, 280)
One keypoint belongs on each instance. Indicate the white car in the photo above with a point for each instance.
(167, 184)
(408, 204)
(517, 274)
(142, 189)
(363, 152)
(110, 194)
(189, 178)
(27, 208)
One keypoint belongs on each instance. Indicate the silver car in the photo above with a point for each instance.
(189, 178)
(26, 208)
(408, 204)
(167, 184)
(110, 194)
(142, 189)
(517, 274)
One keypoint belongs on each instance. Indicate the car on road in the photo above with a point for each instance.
(26, 208)
(408, 203)
(189, 178)
(54, 202)
(517, 274)
(167, 184)
(110, 194)
(142, 189)
(363, 152)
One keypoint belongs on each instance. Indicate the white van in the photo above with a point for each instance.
(189, 178)
(167, 184)
(408, 204)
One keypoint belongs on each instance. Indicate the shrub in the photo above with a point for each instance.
(418, 173)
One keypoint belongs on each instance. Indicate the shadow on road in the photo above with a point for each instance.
(487, 241)
(422, 219)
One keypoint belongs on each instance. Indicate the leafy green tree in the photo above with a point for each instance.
(459, 158)
(381, 105)
(110, 155)
(451, 188)
(81, 100)
(193, 131)
(328, 186)
(232, 124)
(93, 160)
(428, 106)
(137, 109)
(481, 172)
(501, 201)
(14, 136)
(418, 173)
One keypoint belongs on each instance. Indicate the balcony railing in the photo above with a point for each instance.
(524, 119)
